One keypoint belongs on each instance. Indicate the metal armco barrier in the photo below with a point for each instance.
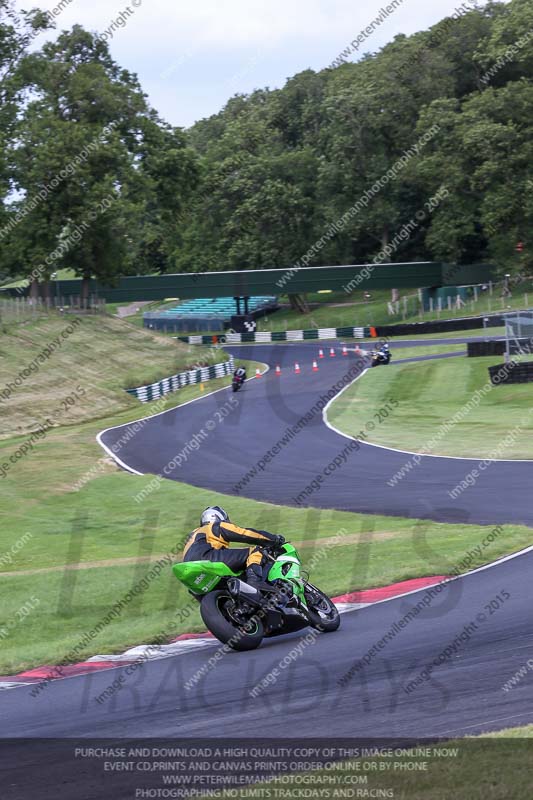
(155, 390)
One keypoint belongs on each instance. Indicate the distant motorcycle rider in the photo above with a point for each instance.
(381, 356)
(240, 373)
(385, 353)
(211, 541)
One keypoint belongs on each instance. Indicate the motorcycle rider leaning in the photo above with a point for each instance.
(211, 541)
(383, 354)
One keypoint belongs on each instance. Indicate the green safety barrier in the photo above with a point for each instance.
(279, 336)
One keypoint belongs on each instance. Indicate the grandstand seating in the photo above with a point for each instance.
(223, 307)
(213, 314)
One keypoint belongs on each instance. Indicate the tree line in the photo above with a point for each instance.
(91, 178)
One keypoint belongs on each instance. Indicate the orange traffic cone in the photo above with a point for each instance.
(297, 368)
(278, 370)
(258, 373)
(315, 366)
(358, 350)
(345, 351)
(332, 353)
(321, 354)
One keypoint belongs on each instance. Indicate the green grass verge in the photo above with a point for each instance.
(102, 527)
(426, 350)
(69, 505)
(99, 354)
(428, 395)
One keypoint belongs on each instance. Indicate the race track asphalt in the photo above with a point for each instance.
(486, 615)
(233, 450)
(355, 683)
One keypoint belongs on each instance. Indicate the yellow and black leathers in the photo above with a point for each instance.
(211, 543)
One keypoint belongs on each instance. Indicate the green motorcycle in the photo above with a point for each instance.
(241, 615)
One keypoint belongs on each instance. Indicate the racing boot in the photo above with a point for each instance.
(254, 576)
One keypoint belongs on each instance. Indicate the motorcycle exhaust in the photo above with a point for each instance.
(238, 588)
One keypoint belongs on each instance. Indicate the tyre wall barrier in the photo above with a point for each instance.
(439, 326)
(511, 373)
(498, 347)
(476, 349)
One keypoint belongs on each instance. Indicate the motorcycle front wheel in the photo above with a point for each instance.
(217, 611)
(322, 612)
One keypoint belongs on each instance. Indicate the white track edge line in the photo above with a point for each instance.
(350, 610)
(160, 413)
(409, 452)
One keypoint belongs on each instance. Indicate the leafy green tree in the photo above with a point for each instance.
(283, 169)
(484, 158)
(17, 29)
(255, 203)
(506, 53)
(275, 177)
(109, 172)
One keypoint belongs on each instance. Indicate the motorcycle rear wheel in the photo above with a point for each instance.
(215, 611)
